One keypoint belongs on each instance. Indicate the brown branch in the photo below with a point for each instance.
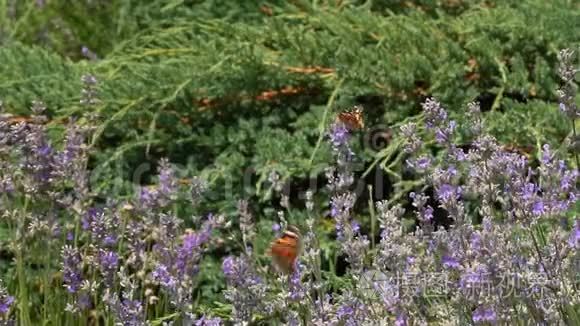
(264, 96)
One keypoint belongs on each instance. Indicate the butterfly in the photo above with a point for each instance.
(286, 249)
(352, 119)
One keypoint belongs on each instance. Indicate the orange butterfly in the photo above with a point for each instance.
(286, 249)
(352, 119)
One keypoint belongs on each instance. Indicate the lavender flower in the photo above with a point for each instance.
(352, 311)
(122, 256)
(475, 120)
(435, 115)
(276, 229)
(189, 253)
(102, 225)
(162, 275)
(424, 211)
(178, 263)
(297, 290)
(71, 269)
(342, 201)
(37, 152)
(574, 239)
(135, 233)
(204, 321)
(148, 197)
(422, 163)
(237, 271)
(6, 300)
(450, 262)
(345, 312)
(473, 281)
(393, 250)
(6, 184)
(309, 201)
(339, 135)
(161, 195)
(70, 159)
(131, 313)
(198, 188)
(246, 222)
(274, 179)
(401, 320)
(567, 94)
(108, 262)
(443, 134)
(341, 205)
(484, 314)
(413, 143)
(167, 179)
(246, 290)
(89, 91)
(557, 191)
(449, 194)
(87, 53)
(324, 311)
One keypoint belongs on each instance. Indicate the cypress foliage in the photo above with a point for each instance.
(222, 87)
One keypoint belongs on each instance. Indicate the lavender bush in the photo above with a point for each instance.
(510, 255)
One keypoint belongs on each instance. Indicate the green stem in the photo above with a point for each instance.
(3, 16)
(322, 125)
(373, 216)
(23, 19)
(24, 314)
(46, 286)
(575, 137)
(23, 290)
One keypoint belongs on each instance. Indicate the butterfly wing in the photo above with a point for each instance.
(353, 119)
(284, 252)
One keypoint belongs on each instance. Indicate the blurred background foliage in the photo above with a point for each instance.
(233, 90)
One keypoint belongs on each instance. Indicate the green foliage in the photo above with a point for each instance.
(190, 79)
